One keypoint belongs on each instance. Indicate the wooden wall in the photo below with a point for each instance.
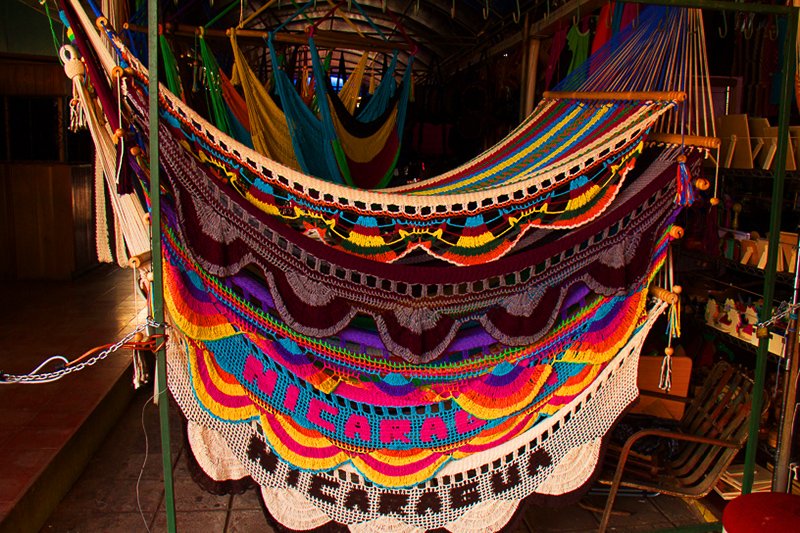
(46, 212)
(32, 76)
(46, 207)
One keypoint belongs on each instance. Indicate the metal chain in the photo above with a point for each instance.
(36, 377)
(783, 310)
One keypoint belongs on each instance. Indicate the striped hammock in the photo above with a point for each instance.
(421, 358)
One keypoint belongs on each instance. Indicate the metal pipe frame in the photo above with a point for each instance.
(157, 286)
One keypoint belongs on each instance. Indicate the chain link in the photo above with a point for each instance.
(783, 310)
(45, 377)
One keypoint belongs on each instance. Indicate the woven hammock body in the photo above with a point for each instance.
(387, 396)
(260, 303)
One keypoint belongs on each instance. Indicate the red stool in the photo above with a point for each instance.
(762, 512)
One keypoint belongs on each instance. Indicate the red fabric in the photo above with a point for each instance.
(760, 512)
(234, 100)
(629, 13)
(603, 31)
(370, 174)
(559, 40)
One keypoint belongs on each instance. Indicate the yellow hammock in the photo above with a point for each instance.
(268, 126)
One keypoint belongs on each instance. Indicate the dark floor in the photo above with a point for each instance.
(121, 488)
(39, 320)
(105, 497)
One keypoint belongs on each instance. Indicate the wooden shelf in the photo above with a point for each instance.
(750, 344)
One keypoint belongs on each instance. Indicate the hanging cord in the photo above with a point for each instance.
(56, 43)
(673, 325)
(714, 201)
(407, 38)
(347, 19)
(254, 14)
(327, 16)
(144, 464)
(91, 357)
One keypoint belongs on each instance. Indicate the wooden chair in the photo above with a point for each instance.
(713, 429)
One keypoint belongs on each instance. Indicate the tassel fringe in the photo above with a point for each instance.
(684, 194)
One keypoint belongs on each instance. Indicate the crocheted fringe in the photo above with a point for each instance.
(186, 316)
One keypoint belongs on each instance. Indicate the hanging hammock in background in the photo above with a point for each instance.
(351, 88)
(370, 139)
(268, 125)
(221, 111)
(171, 71)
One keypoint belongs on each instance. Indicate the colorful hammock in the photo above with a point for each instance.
(268, 126)
(561, 168)
(380, 395)
(359, 150)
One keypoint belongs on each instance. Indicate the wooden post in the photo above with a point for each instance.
(530, 62)
(531, 68)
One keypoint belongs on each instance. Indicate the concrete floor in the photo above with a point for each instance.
(44, 448)
(105, 496)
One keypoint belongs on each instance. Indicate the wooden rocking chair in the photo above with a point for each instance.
(713, 429)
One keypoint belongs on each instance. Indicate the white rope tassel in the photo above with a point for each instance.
(75, 71)
(665, 378)
(119, 240)
(77, 119)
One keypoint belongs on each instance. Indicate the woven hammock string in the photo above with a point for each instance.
(127, 209)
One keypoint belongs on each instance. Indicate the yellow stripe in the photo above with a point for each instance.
(301, 461)
(232, 414)
(565, 120)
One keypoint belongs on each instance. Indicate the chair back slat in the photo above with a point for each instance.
(721, 410)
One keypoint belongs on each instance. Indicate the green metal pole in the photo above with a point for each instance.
(774, 234)
(791, 14)
(157, 288)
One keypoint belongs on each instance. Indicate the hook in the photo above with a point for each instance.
(723, 32)
(486, 11)
(747, 27)
(516, 14)
(68, 52)
(772, 31)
